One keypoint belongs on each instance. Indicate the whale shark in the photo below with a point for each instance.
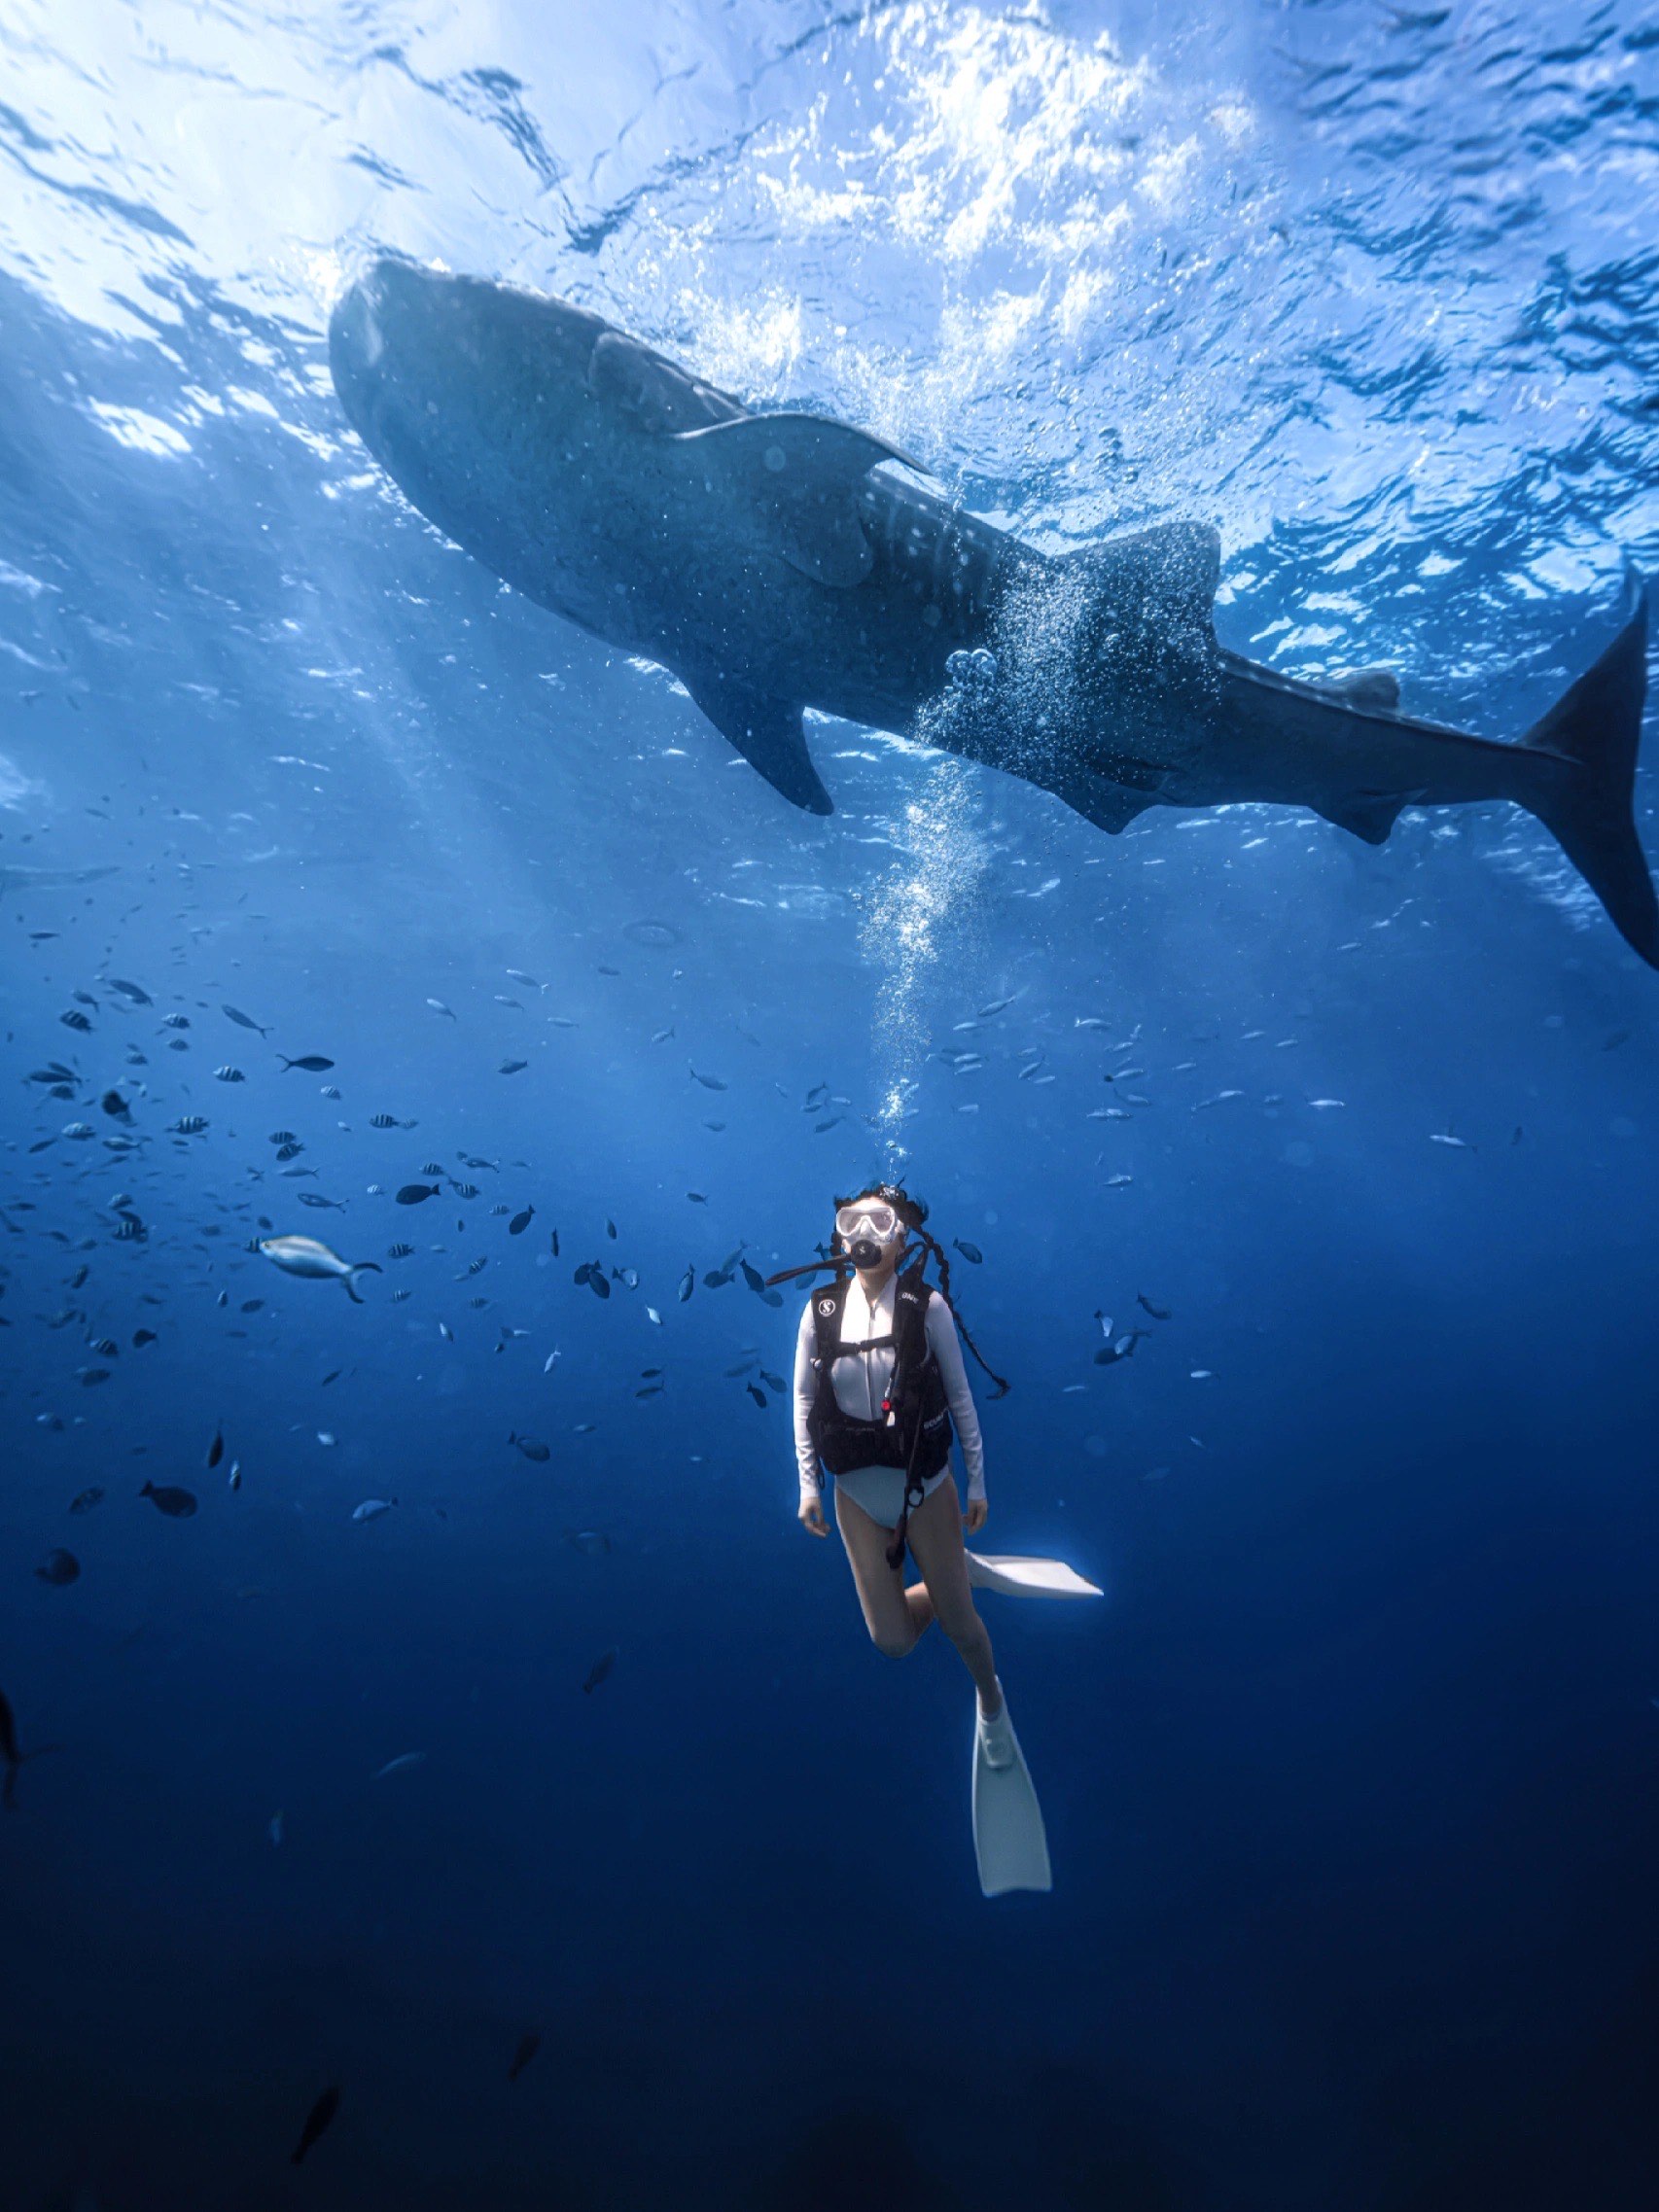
(776, 562)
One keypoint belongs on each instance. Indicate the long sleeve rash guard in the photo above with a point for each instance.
(862, 1378)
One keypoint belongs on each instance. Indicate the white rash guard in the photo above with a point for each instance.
(860, 1380)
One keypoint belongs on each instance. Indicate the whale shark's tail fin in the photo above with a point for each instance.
(1582, 791)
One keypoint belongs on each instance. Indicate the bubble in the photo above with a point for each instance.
(652, 934)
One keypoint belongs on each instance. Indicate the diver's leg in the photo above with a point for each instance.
(894, 1615)
(935, 1540)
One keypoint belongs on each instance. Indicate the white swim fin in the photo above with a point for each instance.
(1027, 1578)
(1009, 1836)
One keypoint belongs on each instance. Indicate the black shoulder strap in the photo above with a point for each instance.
(910, 1300)
(828, 1308)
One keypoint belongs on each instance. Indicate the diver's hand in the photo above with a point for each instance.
(976, 1515)
(811, 1515)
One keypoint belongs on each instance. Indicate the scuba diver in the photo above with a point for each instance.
(879, 1381)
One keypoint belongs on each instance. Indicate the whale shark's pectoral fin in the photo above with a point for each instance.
(768, 734)
(794, 481)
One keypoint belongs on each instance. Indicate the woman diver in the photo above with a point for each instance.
(878, 1381)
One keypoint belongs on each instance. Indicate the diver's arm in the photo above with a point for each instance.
(946, 1348)
(811, 1508)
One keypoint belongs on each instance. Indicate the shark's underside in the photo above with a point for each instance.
(774, 564)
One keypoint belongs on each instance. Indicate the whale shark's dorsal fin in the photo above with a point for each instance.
(1171, 568)
(1369, 688)
(659, 396)
(794, 481)
(769, 735)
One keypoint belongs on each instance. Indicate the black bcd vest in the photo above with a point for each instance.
(920, 1417)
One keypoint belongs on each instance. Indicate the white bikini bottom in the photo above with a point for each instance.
(880, 1491)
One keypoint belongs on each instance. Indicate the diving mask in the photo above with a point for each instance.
(867, 1227)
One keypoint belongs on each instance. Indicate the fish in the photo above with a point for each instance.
(438, 1006)
(310, 1259)
(11, 1756)
(512, 1066)
(528, 2045)
(521, 1221)
(659, 515)
(74, 1019)
(654, 1316)
(688, 1284)
(401, 1764)
(414, 1193)
(59, 1568)
(399, 1251)
(85, 1500)
(317, 2123)
(553, 1243)
(610, 1228)
(289, 1152)
(709, 1083)
(517, 975)
(532, 1447)
(968, 1251)
(598, 1671)
(175, 1021)
(282, 1137)
(133, 990)
(372, 1508)
(310, 1063)
(116, 1106)
(1159, 1313)
(597, 1283)
(552, 1361)
(168, 1498)
(593, 1542)
(756, 1394)
(216, 1450)
(474, 1267)
(316, 1198)
(243, 1021)
(382, 1121)
(228, 1074)
(1445, 1136)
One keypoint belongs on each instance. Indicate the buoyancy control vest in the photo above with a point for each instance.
(912, 1430)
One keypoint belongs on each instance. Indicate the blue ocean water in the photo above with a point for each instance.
(1351, 1781)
